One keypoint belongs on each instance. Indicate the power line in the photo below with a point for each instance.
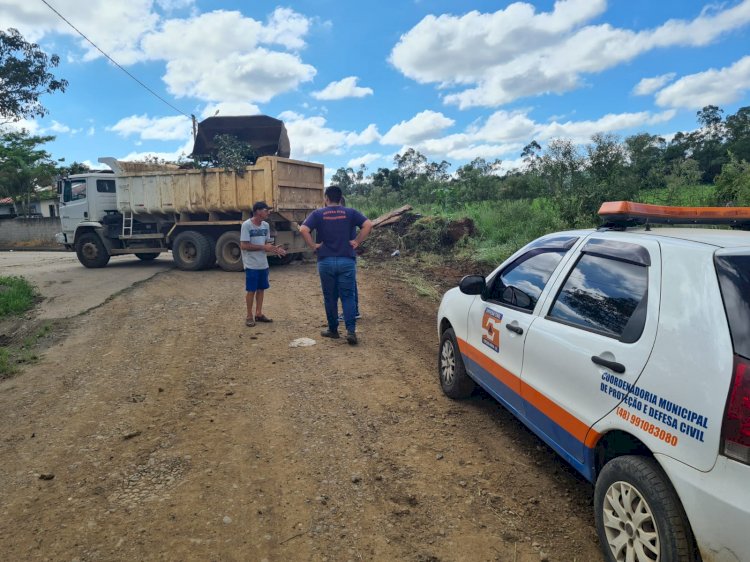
(113, 61)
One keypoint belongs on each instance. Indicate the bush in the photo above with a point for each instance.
(16, 296)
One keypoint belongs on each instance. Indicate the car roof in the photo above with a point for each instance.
(719, 237)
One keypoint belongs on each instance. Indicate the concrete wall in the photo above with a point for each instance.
(36, 233)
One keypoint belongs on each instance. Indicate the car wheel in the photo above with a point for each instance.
(639, 517)
(454, 380)
(91, 251)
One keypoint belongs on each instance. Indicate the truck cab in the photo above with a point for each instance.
(85, 199)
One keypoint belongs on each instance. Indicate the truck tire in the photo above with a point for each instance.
(638, 514)
(192, 251)
(454, 380)
(228, 253)
(147, 257)
(91, 251)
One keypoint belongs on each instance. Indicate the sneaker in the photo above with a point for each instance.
(330, 334)
(351, 338)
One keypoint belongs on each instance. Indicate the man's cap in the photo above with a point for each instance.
(259, 205)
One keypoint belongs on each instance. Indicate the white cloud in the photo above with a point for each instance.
(582, 131)
(154, 128)
(368, 136)
(649, 85)
(346, 88)
(516, 52)
(230, 108)
(722, 86)
(365, 159)
(215, 56)
(220, 56)
(310, 137)
(423, 125)
(115, 27)
(504, 134)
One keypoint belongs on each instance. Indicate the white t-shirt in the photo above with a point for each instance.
(255, 259)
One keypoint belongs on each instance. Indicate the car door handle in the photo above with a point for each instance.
(611, 365)
(515, 329)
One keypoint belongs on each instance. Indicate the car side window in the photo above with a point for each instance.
(521, 283)
(604, 295)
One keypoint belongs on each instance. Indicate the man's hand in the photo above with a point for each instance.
(275, 250)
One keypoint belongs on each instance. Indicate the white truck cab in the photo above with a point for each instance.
(85, 199)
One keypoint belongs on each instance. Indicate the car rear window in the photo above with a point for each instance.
(734, 280)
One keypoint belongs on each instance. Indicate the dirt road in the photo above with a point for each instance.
(162, 428)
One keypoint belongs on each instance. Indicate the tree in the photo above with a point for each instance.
(733, 183)
(646, 156)
(411, 164)
(738, 133)
(23, 165)
(24, 76)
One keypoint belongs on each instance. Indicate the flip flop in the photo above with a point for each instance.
(250, 322)
(263, 318)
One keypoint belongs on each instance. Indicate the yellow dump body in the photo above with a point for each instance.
(292, 188)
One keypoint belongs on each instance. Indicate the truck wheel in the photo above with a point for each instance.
(147, 257)
(285, 260)
(192, 251)
(228, 253)
(638, 514)
(91, 251)
(454, 380)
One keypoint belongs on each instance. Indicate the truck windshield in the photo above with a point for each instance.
(74, 190)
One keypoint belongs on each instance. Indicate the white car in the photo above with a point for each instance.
(627, 350)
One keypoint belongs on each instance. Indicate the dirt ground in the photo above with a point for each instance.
(161, 428)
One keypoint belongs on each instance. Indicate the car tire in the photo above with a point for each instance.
(454, 380)
(91, 251)
(147, 257)
(638, 514)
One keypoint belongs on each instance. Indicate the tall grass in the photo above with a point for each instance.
(16, 296)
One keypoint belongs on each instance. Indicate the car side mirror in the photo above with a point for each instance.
(472, 285)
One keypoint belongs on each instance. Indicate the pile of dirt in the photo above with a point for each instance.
(405, 231)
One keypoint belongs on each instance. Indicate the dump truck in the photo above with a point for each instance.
(145, 209)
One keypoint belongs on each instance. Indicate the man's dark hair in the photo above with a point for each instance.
(260, 205)
(333, 193)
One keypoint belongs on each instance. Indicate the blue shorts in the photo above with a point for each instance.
(256, 280)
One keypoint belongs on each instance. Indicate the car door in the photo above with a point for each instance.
(592, 340)
(499, 321)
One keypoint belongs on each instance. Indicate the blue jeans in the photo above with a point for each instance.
(338, 281)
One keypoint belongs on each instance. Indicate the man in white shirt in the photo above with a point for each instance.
(255, 242)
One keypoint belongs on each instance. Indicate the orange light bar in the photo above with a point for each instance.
(618, 211)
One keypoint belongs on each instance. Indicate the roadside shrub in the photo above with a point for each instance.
(16, 296)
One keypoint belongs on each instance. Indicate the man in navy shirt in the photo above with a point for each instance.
(334, 225)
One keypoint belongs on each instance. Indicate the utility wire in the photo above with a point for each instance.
(113, 61)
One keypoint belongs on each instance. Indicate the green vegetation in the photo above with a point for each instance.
(16, 296)
(563, 185)
(14, 355)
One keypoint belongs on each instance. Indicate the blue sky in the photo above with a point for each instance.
(358, 82)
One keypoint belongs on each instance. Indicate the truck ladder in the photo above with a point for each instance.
(127, 224)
